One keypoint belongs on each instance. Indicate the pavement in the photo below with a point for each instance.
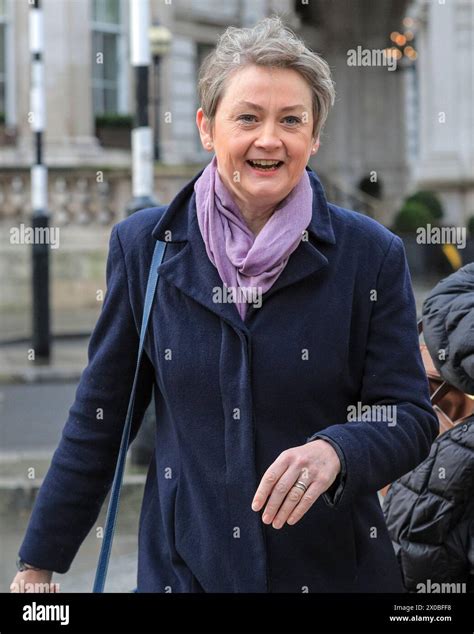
(68, 359)
(34, 403)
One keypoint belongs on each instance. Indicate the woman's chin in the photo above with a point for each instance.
(261, 186)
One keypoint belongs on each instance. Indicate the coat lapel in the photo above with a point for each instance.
(188, 267)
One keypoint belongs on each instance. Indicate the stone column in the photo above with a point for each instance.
(446, 71)
(70, 130)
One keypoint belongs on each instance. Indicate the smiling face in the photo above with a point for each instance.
(264, 114)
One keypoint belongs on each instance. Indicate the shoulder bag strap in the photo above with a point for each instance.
(117, 482)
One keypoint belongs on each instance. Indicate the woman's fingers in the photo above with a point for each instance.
(292, 499)
(280, 492)
(306, 502)
(269, 479)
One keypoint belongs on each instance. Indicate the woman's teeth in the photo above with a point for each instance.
(265, 165)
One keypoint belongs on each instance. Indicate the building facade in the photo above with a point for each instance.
(89, 87)
(406, 129)
(443, 157)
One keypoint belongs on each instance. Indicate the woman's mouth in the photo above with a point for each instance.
(265, 166)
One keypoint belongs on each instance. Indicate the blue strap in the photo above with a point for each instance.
(117, 483)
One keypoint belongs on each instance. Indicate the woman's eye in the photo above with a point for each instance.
(295, 119)
(245, 118)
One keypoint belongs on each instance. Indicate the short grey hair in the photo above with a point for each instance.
(269, 43)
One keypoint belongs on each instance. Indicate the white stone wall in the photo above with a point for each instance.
(446, 109)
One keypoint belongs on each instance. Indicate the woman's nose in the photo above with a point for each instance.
(268, 137)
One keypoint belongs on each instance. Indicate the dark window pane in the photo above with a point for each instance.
(98, 98)
(2, 68)
(112, 11)
(111, 100)
(110, 57)
(106, 11)
(2, 48)
(95, 10)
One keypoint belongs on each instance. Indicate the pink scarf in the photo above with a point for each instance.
(248, 264)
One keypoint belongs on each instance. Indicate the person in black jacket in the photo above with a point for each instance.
(430, 510)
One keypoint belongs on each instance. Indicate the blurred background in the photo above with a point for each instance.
(398, 146)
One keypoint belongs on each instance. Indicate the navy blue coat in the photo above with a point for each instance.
(336, 329)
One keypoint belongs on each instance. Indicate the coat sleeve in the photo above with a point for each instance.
(377, 453)
(83, 465)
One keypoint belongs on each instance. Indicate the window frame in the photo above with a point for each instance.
(120, 30)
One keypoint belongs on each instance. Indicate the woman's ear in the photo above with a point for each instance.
(204, 130)
(315, 146)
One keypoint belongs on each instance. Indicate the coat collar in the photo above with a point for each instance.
(190, 270)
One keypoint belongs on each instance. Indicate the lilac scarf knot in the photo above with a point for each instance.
(247, 264)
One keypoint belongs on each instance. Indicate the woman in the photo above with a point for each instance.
(277, 314)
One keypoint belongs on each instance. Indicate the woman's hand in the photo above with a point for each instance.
(34, 581)
(316, 464)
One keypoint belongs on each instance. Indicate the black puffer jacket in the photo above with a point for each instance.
(430, 510)
(430, 514)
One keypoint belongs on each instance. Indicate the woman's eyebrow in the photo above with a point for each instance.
(255, 106)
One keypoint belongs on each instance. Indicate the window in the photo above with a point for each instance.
(3, 60)
(7, 51)
(109, 62)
